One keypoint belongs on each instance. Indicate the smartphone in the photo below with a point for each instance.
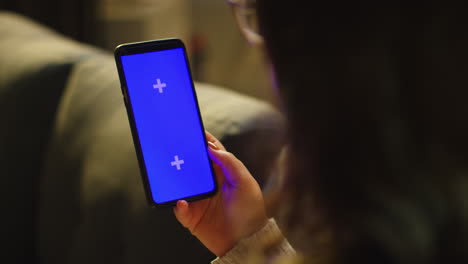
(165, 121)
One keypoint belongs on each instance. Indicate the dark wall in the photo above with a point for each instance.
(75, 18)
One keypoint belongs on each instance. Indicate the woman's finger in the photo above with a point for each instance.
(214, 140)
(234, 171)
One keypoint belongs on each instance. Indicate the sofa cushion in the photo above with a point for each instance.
(33, 74)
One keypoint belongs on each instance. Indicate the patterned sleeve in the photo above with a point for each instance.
(269, 237)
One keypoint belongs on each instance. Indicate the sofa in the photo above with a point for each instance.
(71, 187)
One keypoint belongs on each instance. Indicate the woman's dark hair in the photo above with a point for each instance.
(375, 94)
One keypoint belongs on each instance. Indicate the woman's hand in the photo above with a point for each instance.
(235, 212)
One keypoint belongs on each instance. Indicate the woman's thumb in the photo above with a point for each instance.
(233, 169)
(182, 213)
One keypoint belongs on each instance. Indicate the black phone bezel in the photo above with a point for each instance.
(145, 47)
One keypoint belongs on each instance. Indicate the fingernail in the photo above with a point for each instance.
(179, 204)
(212, 145)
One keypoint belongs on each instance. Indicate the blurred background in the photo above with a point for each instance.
(71, 186)
(218, 52)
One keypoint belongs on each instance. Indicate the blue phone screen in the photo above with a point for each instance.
(168, 124)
